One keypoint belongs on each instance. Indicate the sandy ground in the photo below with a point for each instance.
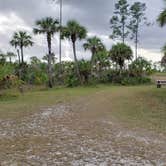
(81, 133)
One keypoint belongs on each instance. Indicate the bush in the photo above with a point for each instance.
(5, 70)
(10, 81)
(135, 80)
(116, 76)
(140, 67)
(72, 81)
(124, 78)
(36, 74)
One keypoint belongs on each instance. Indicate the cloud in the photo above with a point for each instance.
(10, 23)
(93, 14)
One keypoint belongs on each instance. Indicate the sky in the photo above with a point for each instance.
(95, 15)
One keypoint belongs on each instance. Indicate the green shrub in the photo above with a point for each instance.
(6, 70)
(71, 81)
(135, 80)
(140, 67)
(10, 81)
(125, 78)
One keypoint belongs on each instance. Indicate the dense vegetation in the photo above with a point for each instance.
(117, 65)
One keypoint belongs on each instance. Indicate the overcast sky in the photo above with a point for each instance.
(93, 14)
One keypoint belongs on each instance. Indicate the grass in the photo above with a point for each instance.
(143, 106)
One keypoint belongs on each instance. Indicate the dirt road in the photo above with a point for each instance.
(77, 134)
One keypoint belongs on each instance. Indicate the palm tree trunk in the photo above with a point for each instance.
(50, 83)
(123, 33)
(22, 54)
(18, 53)
(136, 46)
(76, 63)
(60, 40)
(21, 64)
(136, 42)
(92, 60)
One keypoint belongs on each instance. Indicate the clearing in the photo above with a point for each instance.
(102, 126)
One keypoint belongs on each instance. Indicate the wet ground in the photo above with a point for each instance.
(78, 134)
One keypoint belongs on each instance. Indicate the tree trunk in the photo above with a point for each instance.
(10, 59)
(22, 54)
(60, 54)
(18, 54)
(92, 61)
(60, 40)
(136, 46)
(136, 42)
(22, 63)
(123, 32)
(76, 63)
(50, 81)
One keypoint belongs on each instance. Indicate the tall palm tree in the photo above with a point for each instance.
(73, 32)
(94, 44)
(49, 27)
(21, 39)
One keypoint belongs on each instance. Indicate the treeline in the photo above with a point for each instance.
(116, 65)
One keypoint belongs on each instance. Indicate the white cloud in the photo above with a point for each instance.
(11, 22)
(153, 55)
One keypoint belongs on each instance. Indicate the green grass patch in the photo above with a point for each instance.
(143, 106)
(8, 96)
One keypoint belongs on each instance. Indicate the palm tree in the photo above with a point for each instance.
(49, 27)
(73, 32)
(15, 45)
(10, 55)
(21, 39)
(94, 44)
(119, 53)
(162, 18)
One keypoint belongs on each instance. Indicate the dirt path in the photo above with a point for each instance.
(78, 134)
